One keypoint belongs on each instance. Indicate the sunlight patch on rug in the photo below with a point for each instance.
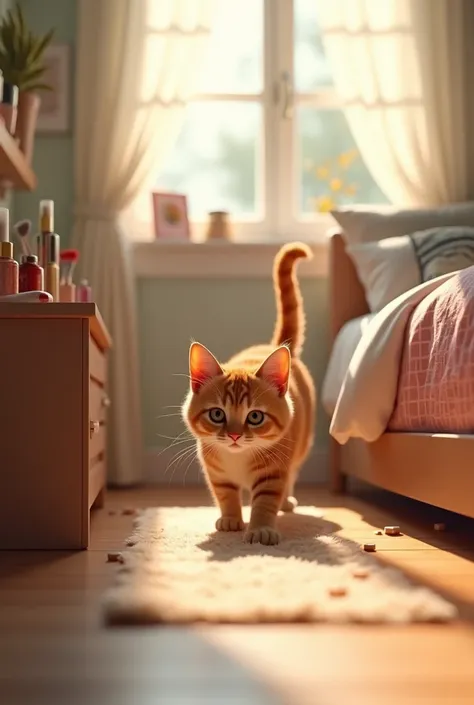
(177, 569)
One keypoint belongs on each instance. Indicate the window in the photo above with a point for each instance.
(264, 137)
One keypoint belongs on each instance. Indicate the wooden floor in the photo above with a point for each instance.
(54, 649)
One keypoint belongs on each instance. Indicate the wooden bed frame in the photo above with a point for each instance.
(431, 467)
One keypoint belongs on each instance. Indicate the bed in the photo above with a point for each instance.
(435, 468)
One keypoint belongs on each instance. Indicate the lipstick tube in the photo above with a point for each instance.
(46, 227)
(52, 264)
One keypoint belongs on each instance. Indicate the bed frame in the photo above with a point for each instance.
(431, 467)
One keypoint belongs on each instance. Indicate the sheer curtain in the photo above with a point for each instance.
(136, 64)
(404, 69)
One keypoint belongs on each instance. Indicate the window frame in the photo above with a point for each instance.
(279, 221)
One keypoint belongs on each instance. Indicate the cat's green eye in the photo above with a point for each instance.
(216, 415)
(255, 418)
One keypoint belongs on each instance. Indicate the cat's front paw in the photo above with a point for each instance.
(265, 535)
(229, 524)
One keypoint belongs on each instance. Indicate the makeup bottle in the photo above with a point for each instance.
(8, 266)
(31, 275)
(67, 288)
(84, 292)
(48, 248)
(46, 226)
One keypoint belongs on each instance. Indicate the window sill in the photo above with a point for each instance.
(220, 259)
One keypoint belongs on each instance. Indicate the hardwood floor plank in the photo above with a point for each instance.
(55, 649)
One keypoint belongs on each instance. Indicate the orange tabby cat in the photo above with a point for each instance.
(253, 417)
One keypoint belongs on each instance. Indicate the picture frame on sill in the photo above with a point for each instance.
(54, 111)
(170, 215)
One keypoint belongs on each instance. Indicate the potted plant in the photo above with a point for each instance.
(22, 64)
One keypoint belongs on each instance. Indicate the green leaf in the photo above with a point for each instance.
(42, 44)
(21, 19)
(21, 50)
(33, 75)
(37, 87)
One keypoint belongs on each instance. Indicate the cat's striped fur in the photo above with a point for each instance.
(254, 416)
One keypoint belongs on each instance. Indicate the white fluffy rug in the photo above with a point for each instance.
(178, 570)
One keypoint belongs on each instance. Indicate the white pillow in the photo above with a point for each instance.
(365, 225)
(386, 269)
(392, 266)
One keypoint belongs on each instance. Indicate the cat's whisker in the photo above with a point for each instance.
(167, 416)
(193, 457)
(179, 457)
(278, 455)
(175, 438)
(182, 459)
(174, 445)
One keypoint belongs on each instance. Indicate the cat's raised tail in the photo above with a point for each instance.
(291, 322)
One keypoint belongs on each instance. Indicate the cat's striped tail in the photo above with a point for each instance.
(291, 322)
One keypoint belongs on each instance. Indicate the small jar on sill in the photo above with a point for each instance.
(219, 227)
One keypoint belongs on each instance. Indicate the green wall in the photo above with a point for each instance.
(226, 316)
(53, 158)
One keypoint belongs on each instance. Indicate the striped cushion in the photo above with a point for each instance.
(442, 250)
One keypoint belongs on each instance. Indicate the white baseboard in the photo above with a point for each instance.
(159, 468)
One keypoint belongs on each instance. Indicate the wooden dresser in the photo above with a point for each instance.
(53, 411)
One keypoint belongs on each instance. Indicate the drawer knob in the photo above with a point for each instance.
(106, 402)
(94, 427)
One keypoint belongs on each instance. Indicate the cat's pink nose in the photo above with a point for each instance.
(235, 436)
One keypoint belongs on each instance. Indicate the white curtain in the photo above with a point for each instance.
(405, 70)
(136, 63)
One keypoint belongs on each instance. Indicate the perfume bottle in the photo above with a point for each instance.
(8, 266)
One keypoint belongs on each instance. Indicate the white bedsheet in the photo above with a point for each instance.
(344, 347)
(369, 390)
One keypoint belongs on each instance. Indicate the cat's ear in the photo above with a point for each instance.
(202, 366)
(276, 369)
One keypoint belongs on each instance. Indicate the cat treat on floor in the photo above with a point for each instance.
(370, 547)
(392, 530)
(129, 511)
(114, 557)
(360, 573)
(379, 532)
(338, 591)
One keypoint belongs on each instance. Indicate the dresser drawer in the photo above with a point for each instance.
(97, 363)
(98, 405)
(97, 441)
(99, 402)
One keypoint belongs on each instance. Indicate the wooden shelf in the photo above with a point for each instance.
(15, 172)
